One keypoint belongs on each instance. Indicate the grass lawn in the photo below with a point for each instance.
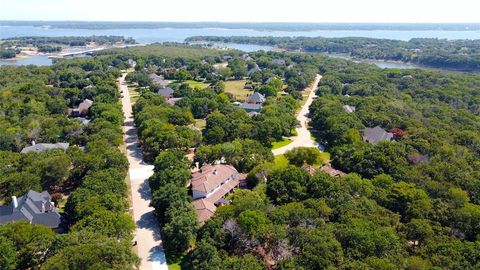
(236, 89)
(200, 123)
(195, 84)
(178, 263)
(282, 143)
(325, 157)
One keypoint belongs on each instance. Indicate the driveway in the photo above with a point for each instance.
(147, 233)
(304, 137)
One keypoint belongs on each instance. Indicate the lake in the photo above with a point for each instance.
(179, 35)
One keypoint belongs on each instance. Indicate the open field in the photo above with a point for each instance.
(236, 89)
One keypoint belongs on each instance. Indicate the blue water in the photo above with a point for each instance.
(38, 60)
(179, 35)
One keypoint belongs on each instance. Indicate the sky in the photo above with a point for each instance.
(407, 11)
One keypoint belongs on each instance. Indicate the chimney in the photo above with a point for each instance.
(14, 201)
(33, 143)
(43, 207)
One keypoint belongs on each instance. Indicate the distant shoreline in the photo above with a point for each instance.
(259, 26)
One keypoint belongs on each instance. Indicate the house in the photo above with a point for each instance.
(84, 121)
(227, 57)
(245, 57)
(279, 61)
(251, 107)
(349, 109)
(376, 135)
(173, 101)
(256, 68)
(82, 108)
(205, 209)
(166, 92)
(256, 98)
(41, 147)
(210, 185)
(36, 208)
(158, 80)
(248, 86)
(132, 63)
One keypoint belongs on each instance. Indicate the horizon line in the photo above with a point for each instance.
(230, 22)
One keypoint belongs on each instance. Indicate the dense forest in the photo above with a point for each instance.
(10, 47)
(87, 181)
(409, 203)
(437, 53)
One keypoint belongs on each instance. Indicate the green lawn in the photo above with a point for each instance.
(282, 143)
(196, 84)
(200, 123)
(178, 263)
(236, 89)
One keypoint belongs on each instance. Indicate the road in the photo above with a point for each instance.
(304, 137)
(147, 233)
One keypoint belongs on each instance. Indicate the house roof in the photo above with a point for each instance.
(85, 105)
(279, 61)
(376, 135)
(173, 101)
(37, 208)
(84, 121)
(41, 147)
(165, 92)
(210, 177)
(251, 106)
(349, 109)
(158, 80)
(257, 98)
(254, 69)
(205, 209)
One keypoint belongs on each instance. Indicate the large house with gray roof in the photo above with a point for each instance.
(41, 147)
(34, 207)
(376, 135)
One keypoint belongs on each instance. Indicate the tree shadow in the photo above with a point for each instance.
(144, 191)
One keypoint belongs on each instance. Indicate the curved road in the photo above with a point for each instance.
(304, 137)
(147, 233)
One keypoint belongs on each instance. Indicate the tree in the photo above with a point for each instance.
(32, 243)
(8, 256)
(206, 257)
(303, 155)
(287, 185)
(180, 228)
(167, 195)
(246, 262)
(116, 225)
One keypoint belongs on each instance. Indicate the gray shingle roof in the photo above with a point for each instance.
(250, 107)
(41, 147)
(34, 207)
(166, 92)
(376, 135)
(256, 98)
(158, 80)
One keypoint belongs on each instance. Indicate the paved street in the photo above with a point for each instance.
(304, 137)
(147, 234)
